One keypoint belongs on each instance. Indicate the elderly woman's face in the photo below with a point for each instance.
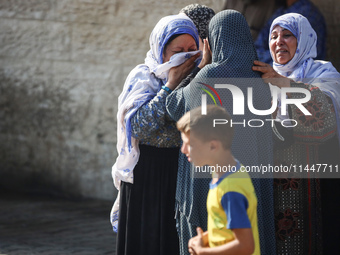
(182, 43)
(283, 45)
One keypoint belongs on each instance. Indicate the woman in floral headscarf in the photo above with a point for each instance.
(306, 215)
(148, 143)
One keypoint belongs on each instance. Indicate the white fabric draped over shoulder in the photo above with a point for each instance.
(302, 67)
(141, 85)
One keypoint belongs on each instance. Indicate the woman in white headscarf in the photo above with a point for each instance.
(148, 142)
(304, 206)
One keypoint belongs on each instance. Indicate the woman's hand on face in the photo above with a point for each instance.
(178, 73)
(206, 59)
(269, 75)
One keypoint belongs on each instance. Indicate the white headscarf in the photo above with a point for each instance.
(302, 67)
(141, 85)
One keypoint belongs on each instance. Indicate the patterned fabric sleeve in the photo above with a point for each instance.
(150, 117)
(321, 125)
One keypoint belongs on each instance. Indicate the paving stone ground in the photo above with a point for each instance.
(43, 225)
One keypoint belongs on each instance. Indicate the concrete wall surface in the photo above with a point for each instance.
(331, 12)
(63, 64)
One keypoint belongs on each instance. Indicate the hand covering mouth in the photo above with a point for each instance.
(162, 70)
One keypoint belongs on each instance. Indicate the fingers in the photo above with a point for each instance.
(178, 73)
(196, 56)
(206, 45)
(186, 69)
(260, 63)
(267, 76)
(189, 64)
(206, 48)
(261, 66)
(191, 240)
(191, 60)
(190, 244)
(206, 59)
(199, 232)
(262, 69)
(192, 252)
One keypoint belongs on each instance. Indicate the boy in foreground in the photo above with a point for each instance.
(231, 202)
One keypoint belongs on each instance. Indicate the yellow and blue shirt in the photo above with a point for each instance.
(231, 204)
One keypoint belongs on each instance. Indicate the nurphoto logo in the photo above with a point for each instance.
(239, 103)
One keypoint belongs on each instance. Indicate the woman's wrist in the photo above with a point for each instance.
(170, 85)
(167, 89)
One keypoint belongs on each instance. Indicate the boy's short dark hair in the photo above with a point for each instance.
(203, 125)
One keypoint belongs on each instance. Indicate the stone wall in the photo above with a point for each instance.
(331, 11)
(62, 66)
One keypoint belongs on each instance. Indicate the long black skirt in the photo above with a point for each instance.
(146, 222)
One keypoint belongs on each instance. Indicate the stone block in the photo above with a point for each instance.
(95, 43)
(32, 9)
(34, 39)
(87, 11)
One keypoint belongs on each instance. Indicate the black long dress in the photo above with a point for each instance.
(151, 198)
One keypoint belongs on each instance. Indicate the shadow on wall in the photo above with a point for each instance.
(33, 151)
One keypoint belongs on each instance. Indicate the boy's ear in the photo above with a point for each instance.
(214, 144)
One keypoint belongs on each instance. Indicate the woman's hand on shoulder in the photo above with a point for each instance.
(269, 75)
(178, 73)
